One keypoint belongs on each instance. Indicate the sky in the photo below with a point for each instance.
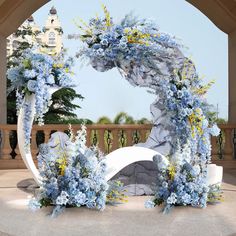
(108, 93)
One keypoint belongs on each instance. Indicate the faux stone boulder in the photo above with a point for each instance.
(138, 178)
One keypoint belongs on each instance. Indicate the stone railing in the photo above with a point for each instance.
(107, 138)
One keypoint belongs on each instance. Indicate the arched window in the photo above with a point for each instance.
(51, 38)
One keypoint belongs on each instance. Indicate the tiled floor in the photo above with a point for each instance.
(127, 219)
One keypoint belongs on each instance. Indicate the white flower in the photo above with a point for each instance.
(149, 204)
(172, 199)
(62, 199)
(214, 130)
(161, 161)
(50, 79)
(195, 170)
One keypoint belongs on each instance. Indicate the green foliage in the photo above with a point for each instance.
(215, 194)
(158, 201)
(45, 202)
(116, 193)
(123, 118)
(221, 121)
(62, 107)
(143, 121)
(78, 121)
(104, 120)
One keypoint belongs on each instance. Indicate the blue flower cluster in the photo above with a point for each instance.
(182, 184)
(36, 73)
(131, 40)
(149, 58)
(72, 175)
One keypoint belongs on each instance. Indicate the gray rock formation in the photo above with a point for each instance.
(138, 178)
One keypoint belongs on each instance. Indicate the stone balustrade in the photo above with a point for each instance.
(107, 138)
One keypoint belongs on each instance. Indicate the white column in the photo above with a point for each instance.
(3, 81)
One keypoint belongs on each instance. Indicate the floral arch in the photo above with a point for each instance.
(146, 57)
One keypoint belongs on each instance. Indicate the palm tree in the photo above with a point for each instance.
(144, 121)
(104, 120)
(123, 118)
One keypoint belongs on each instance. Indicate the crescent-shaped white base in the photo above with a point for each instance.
(26, 153)
(123, 157)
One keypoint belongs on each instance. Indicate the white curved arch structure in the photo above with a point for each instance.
(122, 157)
(116, 160)
(26, 153)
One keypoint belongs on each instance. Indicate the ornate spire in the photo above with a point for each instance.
(53, 11)
(31, 19)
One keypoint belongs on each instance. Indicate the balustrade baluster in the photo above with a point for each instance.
(109, 141)
(228, 148)
(101, 141)
(220, 145)
(34, 146)
(129, 133)
(17, 152)
(95, 138)
(143, 133)
(88, 138)
(47, 134)
(214, 147)
(234, 143)
(123, 139)
(6, 147)
(115, 139)
(136, 137)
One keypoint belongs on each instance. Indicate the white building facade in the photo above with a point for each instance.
(50, 37)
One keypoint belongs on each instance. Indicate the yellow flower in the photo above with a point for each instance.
(60, 65)
(196, 119)
(107, 15)
(203, 89)
(136, 36)
(172, 171)
(62, 164)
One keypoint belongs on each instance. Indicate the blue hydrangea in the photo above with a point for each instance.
(62, 199)
(34, 204)
(149, 204)
(80, 182)
(37, 73)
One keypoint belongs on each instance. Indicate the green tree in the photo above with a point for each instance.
(144, 121)
(123, 118)
(104, 120)
(61, 110)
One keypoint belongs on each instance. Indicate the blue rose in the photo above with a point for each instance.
(32, 85)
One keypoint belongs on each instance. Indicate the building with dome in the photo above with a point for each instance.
(50, 36)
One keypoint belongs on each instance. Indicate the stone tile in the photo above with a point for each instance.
(131, 219)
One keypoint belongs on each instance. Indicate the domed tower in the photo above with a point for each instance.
(52, 33)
